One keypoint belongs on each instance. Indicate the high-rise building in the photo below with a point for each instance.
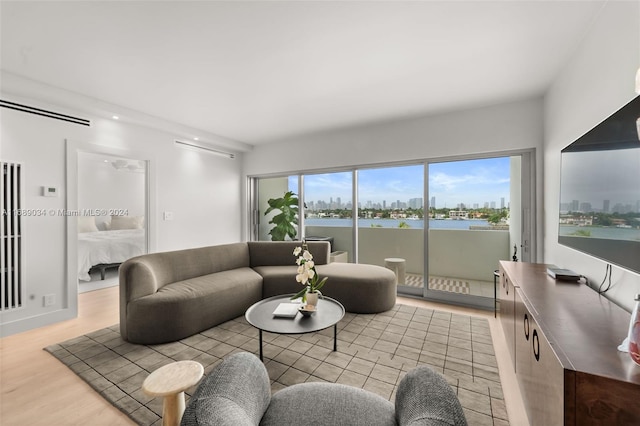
(433, 203)
(415, 203)
(502, 202)
(585, 207)
(606, 206)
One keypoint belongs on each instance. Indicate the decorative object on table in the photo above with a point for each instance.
(307, 276)
(307, 310)
(286, 310)
(287, 221)
(634, 332)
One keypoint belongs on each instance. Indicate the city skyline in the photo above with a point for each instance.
(474, 183)
(588, 182)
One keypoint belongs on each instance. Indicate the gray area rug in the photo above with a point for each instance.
(374, 352)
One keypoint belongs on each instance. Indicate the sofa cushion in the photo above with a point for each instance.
(327, 404)
(361, 288)
(183, 308)
(280, 253)
(170, 267)
(278, 280)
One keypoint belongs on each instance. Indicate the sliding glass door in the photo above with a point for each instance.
(443, 240)
(391, 222)
(274, 191)
(328, 212)
(476, 210)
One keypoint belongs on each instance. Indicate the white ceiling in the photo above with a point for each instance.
(260, 71)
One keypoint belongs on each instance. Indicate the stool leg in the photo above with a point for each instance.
(172, 409)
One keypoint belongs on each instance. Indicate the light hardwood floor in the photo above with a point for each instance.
(37, 389)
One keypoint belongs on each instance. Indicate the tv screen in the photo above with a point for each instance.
(600, 190)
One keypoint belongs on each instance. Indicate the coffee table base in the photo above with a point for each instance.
(335, 340)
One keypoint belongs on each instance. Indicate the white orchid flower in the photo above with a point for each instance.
(297, 251)
(309, 264)
(302, 278)
(307, 256)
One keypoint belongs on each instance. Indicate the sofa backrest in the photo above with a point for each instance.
(280, 253)
(143, 275)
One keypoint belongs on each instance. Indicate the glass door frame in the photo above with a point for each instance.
(528, 226)
(527, 250)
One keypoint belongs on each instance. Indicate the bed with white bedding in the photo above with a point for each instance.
(108, 248)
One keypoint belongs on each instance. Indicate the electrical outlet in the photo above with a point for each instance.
(168, 215)
(49, 299)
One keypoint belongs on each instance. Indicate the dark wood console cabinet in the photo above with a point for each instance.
(563, 340)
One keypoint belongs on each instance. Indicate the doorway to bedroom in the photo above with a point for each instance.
(111, 210)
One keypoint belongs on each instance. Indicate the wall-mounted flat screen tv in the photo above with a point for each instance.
(600, 190)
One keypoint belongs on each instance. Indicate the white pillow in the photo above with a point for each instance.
(126, 222)
(87, 224)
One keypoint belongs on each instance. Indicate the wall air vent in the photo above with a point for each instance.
(44, 113)
(11, 261)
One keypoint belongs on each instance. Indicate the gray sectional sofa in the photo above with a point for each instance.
(168, 296)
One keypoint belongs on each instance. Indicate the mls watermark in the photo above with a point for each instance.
(65, 212)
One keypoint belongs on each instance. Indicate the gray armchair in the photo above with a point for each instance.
(237, 393)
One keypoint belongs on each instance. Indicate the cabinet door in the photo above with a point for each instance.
(540, 374)
(507, 298)
(524, 324)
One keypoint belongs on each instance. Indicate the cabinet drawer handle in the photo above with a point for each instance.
(526, 326)
(536, 345)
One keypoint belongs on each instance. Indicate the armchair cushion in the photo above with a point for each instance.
(327, 404)
(236, 393)
(424, 398)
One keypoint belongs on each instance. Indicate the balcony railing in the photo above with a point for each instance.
(462, 254)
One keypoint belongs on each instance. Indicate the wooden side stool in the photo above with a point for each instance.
(170, 381)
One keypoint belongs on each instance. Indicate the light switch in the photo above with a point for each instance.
(50, 191)
(168, 215)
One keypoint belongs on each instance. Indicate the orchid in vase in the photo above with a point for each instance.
(307, 275)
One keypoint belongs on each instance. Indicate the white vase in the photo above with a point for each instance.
(312, 298)
(634, 332)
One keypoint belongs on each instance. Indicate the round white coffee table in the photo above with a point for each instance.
(170, 381)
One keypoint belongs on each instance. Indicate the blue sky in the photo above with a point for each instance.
(470, 182)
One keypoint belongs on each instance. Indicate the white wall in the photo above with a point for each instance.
(202, 190)
(499, 128)
(103, 187)
(597, 80)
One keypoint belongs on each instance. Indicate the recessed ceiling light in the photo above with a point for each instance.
(115, 117)
(196, 139)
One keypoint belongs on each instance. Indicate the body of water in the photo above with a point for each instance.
(605, 232)
(395, 223)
